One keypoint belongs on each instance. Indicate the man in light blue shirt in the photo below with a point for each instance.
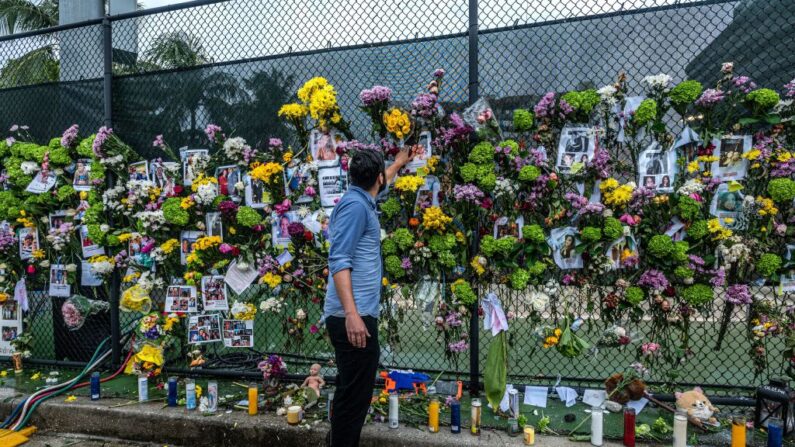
(353, 296)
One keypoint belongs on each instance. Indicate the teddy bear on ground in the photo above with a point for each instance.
(634, 389)
(697, 406)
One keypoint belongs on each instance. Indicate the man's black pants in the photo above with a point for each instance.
(356, 371)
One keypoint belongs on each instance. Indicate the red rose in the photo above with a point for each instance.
(308, 235)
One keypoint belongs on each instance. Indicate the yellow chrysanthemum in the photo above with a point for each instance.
(615, 194)
(308, 89)
(397, 122)
(753, 154)
(432, 163)
(124, 237)
(287, 157)
(266, 172)
(169, 246)
(186, 203)
(692, 167)
(718, 231)
(433, 218)
(707, 158)
(272, 280)
(409, 183)
(766, 207)
(38, 254)
(293, 111)
(323, 103)
(83, 195)
(477, 265)
(203, 243)
(202, 180)
(131, 277)
(248, 314)
(783, 156)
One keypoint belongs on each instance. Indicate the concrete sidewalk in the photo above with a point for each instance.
(152, 423)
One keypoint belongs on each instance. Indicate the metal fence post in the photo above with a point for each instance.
(107, 45)
(474, 323)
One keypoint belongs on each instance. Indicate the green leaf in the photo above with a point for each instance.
(747, 121)
(773, 119)
(496, 374)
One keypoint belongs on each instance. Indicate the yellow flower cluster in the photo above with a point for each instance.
(707, 158)
(409, 183)
(154, 193)
(293, 111)
(433, 218)
(186, 203)
(783, 156)
(615, 194)
(692, 167)
(171, 320)
(271, 279)
(247, 314)
(124, 237)
(432, 163)
(308, 89)
(101, 258)
(553, 339)
(397, 122)
(203, 243)
(38, 254)
(287, 157)
(24, 220)
(169, 246)
(202, 180)
(766, 207)
(131, 277)
(477, 264)
(718, 231)
(266, 172)
(753, 154)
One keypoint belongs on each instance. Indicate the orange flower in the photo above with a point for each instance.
(413, 222)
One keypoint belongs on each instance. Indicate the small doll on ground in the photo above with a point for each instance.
(314, 380)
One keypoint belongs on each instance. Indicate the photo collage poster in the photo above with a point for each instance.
(427, 194)
(10, 325)
(164, 175)
(657, 168)
(238, 333)
(204, 328)
(727, 206)
(575, 148)
(182, 299)
(730, 164)
(563, 242)
(214, 295)
(508, 226)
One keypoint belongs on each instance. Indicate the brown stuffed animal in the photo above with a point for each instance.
(634, 390)
(697, 405)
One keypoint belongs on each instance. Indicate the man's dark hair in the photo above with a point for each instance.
(365, 167)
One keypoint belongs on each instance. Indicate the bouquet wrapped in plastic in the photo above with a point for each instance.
(77, 308)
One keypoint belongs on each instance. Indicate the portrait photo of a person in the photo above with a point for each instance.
(731, 151)
(567, 250)
(666, 182)
(577, 141)
(649, 182)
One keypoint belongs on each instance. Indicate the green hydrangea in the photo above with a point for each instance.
(95, 214)
(65, 193)
(613, 229)
(529, 173)
(511, 144)
(97, 171)
(9, 205)
(112, 240)
(697, 295)
(60, 157)
(522, 120)
(768, 264)
(537, 268)
(660, 246)
(247, 216)
(683, 272)
(781, 190)
(175, 215)
(582, 101)
(464, 293)
(439, 243)
(446, 259)
(85, 148)
(482, 153)
(685, 93)
(388, 247)
(469, 172)
(503, 246)
(763, 99)
(680, 251)
(533, 233)
(403, 238)
(488, 182)
(391, 207)
(591, 234)
(645, 113)
(689, 209)
(519, 279)
(634, 295)
(96, 234)
(698, 229)
(394, 266)
(15, 174)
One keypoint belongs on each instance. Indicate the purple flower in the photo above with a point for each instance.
(296, 229)
(99, 140)
(14, 128)
(438, 73)
(424, 105)
(654, 279)
(719, 279)
(267, 264)
(159, 142)
(459, 346)
(69, 136)
(544, 107)
(10, 141)
(453, 319)
(468, 193)
(744, 83)
(405, 263)
(738, 294)
(583, 205)
(710, 97)
(458, 133)
(309, 191)
(283, 207)
(600, 163)
(275, 142)
(375, 95)
(212, 131)
(790, 88)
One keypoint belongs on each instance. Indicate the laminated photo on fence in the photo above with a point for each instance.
(575, 148)
(280, 228)
(727, 206)
(333, 183)
(422, 151)
(238, 333)
(164, 175)
(204, 328)
(10, 325)
(657, 168)
(563, 242)
(89, 247)
(42, 182)
(297, 178)
(427, 195)
(230, 181)
(323, 148)
(256, 194)
(181, 299)
(138, 171)
(729, 151)
(59, 281)
(82, 180)
(214, 296)
(194, 161)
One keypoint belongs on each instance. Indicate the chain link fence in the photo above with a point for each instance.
(234, 63)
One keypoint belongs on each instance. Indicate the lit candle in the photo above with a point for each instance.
(252, 400)
(738, 432)
(680, 428)
(394, 411)
(597, 421)
(529, 435)
(775, 432)
(294, 415)
(433, 416)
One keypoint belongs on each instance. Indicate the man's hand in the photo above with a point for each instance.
(404, 156)
(357, 331)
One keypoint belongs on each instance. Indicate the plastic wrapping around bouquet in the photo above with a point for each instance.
(77, 345)
(78, 308)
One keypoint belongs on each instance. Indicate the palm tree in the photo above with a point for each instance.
(254, 120)
(27, 15)
(177, 49)
(35, 67)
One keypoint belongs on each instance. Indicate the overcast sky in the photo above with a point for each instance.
(156, 3)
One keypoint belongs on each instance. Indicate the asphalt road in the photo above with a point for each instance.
(51, 439)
